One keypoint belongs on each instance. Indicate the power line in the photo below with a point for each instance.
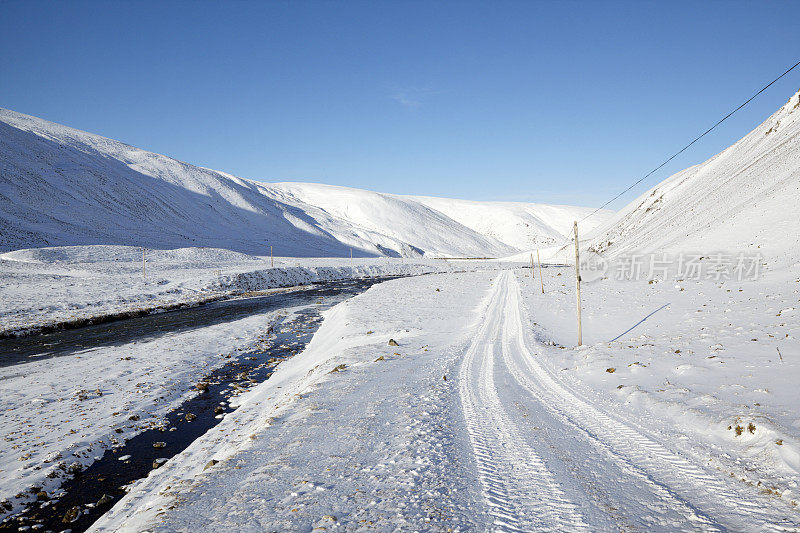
(679, 152)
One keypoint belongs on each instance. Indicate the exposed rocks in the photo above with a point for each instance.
(72, 515)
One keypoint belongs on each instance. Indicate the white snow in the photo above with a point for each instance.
(46, 287)
(744, 199)
(68, 408)
(482, 419)
(62, 186)
(524, 226)
(678, 412)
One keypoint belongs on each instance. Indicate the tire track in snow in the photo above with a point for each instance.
(522, 494)
(708, 500)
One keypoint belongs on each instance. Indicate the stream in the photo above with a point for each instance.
(84, 497)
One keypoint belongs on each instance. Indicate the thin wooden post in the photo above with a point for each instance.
(578, 285)
(533, 271)
(271, 258)
(541, 276)
(144, 270)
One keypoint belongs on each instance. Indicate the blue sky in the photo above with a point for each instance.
(564, 102)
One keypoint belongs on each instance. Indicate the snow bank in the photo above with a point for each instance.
(710, 366)
(48, 288)
(352, 428)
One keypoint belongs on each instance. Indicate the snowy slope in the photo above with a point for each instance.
(61, 186)
(744, 199)
(522, 225)
(385, 218)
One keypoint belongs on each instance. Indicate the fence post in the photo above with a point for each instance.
(541, 276)
(578, 285)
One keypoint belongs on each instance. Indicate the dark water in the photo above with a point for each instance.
(17, 350)
(108, 475)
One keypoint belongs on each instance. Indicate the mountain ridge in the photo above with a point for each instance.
(742, 200)
(63, 186)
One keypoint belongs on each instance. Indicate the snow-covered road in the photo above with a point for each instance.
(551, 460)
(472, 423)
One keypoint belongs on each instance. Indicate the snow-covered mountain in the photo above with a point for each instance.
(744, 199)
(61, 186)
(522, 225)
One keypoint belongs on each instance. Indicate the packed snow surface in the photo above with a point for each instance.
(486, 416)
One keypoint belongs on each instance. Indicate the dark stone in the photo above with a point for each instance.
(72, 515)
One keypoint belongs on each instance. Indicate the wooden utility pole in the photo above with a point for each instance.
(144, 271)
(271, 258)
(578, 285)
(541, 276)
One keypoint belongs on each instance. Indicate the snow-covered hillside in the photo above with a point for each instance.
(386, 220)
(524, 226)
(744, 199)
(61, 186)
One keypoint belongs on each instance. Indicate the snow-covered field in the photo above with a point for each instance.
(454, 400)
(47, 287)
(487, 416)
(64, 409)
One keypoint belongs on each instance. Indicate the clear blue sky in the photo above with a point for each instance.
(564, 102)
